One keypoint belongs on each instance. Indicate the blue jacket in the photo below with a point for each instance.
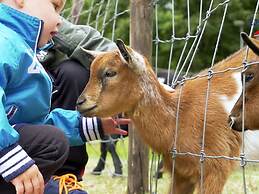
(25, 93)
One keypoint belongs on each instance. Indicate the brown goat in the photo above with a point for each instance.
(123, 81)
(251, 76)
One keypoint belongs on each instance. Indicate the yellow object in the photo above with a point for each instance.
(68, 182)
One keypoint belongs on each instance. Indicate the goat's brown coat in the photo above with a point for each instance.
(137, 92)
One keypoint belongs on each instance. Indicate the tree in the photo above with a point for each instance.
(230, 38)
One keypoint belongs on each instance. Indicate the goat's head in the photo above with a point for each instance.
(251, 77)
(114, 82)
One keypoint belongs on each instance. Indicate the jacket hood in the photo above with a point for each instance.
(28, 27)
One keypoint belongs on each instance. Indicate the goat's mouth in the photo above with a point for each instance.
(236, 125)
(85, 111)
(231, 121)
(239, 129)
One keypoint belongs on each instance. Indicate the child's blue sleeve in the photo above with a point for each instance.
(13, 159)
(8, 135)
(77, 129)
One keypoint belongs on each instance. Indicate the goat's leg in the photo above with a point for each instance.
(181, 185)
(214, 183)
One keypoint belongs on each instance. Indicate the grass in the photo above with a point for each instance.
(106, 184)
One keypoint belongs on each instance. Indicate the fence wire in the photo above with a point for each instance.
(181, 65)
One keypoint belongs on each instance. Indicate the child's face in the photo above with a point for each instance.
(48, 11)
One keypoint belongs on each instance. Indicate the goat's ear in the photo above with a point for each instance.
(123, 50)
(251, 43)
(91, 55)
(134, 60)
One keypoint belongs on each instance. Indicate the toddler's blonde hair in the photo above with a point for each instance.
(61, 4)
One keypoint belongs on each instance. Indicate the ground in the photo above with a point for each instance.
(106, 184)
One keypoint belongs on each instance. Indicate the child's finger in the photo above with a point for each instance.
(19, 187)
(122, 121)
(38, 184)
(28, 186)
(120, 131)
(41, 181)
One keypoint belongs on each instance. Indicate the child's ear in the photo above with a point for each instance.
(19, 3)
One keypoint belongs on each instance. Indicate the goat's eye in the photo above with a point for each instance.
(110, 73)
(249, 77)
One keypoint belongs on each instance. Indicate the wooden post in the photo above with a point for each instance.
(141, 40)
(77, 7)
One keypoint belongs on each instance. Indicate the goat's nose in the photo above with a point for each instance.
(234, 123)
(231, 121)
(80, 101)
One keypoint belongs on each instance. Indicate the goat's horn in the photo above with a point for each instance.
(249, 41)
(90, 54)
(122, 48)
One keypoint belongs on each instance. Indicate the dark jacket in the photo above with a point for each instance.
(70, 39)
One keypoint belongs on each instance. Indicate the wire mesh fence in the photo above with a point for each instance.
(181, 36)
(186, 61)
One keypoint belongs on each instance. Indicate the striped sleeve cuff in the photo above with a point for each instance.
(91, 129)
(13, 162)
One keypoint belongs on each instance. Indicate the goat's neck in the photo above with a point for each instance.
(154, 115)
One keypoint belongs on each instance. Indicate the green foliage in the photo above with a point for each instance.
(238, 10)
(100, 14)
(230, 38)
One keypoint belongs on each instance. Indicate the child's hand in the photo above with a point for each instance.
(110, 125)
(29, 182)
